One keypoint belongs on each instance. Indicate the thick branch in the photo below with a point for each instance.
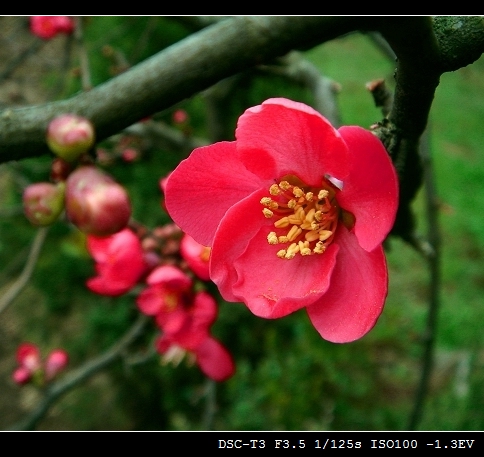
(170, 76)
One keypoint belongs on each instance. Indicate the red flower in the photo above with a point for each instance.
(119, 262)
(47, 27)
(211, 356)
(167, 295)
(295, 213)
(29, 360)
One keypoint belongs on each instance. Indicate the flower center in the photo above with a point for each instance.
(305, 218)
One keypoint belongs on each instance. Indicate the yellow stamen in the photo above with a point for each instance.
(274, 189)
(267, 213)
(324, 234)
(272, 238)
(292, 250)
(284, 185)
(304, 223)
(281, 223)
(293, 233)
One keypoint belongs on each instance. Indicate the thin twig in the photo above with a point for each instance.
(433, 259)
(20, 59)
(24, 277)
(83, 58)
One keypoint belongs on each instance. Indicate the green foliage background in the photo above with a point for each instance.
(287, 377)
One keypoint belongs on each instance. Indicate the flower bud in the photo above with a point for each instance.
(21, 375)
(43, 202)
(56, 362)
(69, 136)
(59, 170)
(95, 203)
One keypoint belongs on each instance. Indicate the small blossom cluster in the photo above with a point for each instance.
(171, 267)
(31, 367)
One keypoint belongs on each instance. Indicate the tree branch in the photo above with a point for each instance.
(177, 72)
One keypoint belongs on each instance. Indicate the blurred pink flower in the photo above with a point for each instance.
(295, 213)
(119, 262)
(55, 363)
(31, 364)
(168, 294)
(47, 27)
(213, 359)
(28, 355)
(185, 317)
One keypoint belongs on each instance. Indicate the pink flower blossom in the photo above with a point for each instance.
(119, 262)
(31, 365)
(295, 213)
(213, 359)
(47, 27)
(167, 295)
(28, 356)
(196, 256)
(185, 317)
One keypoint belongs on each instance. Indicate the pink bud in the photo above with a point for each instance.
(59, 170)
(129, 155)
(21, 375)
(43, 202)
(180, 116)
(70, 135)
(95, 203)
(56, 362)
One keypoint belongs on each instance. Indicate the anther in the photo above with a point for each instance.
(272, 238)
(274, 189)
(282, 222)
(267, 213)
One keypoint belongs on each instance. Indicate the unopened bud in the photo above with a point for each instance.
(69, 136)
(56, 362)
(43, 202)
(95, 203)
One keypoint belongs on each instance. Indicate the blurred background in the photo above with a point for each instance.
(287, 377)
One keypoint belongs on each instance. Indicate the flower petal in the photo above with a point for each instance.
(214, 360)
(370, 191)
(282, 137)
(246, 268)
(170, 277)
(204, 186)
(355, 299)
